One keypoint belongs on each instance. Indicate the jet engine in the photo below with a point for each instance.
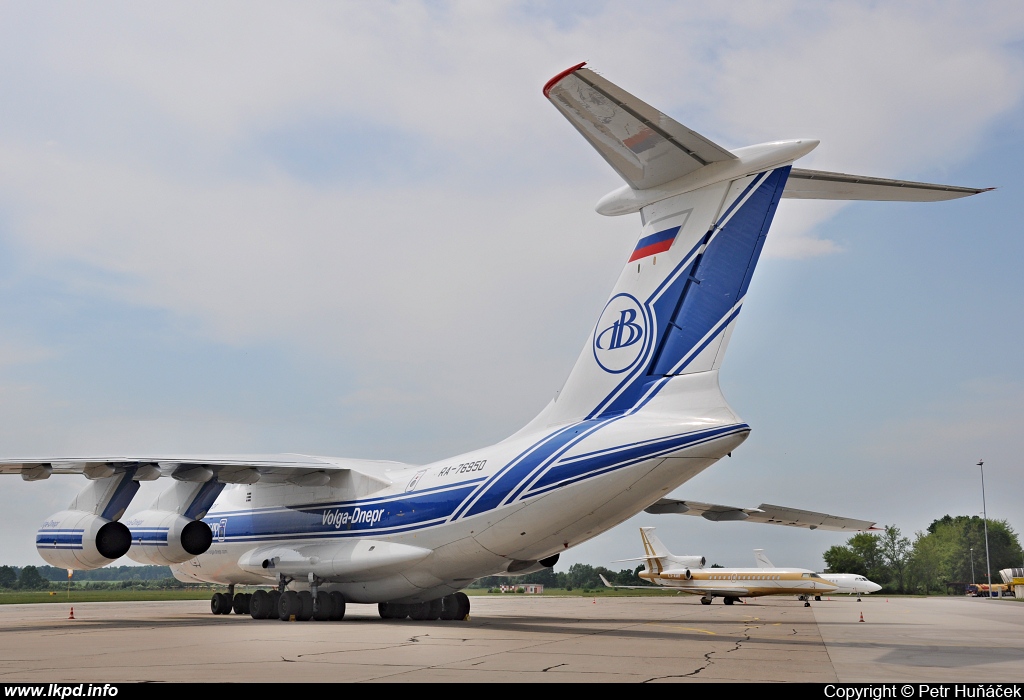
(690, 562)
(74, 539)
(162, 537)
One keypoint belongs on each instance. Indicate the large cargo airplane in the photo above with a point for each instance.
(845, 583)
(640, 414)
(686, 574)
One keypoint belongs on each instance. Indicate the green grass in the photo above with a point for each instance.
(579, 593)
(93, 596)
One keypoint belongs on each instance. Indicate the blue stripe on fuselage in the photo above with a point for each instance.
(352, 518)
(572, 470)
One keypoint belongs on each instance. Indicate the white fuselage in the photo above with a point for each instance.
(852, 583)
(524, 499)
(742, 582)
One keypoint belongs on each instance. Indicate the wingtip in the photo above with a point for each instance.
(554, 81)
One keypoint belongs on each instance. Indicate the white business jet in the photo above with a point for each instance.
(640, 414)
(845, 583)
(688, 575)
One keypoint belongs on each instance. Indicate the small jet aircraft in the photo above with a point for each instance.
(688, 575)
(640, 414)
(845, 583)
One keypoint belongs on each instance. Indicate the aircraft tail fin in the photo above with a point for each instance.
(674, 306)
(762, 561)
(656, 552)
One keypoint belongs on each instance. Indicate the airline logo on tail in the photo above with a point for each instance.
(620, 336)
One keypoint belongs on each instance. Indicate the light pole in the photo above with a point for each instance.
(984, 514)
(974, 581)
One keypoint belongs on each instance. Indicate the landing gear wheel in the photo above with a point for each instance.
(220, 604)
(729, 601)
(464, 606)
(306, 613)
(323, 607)
(705, 601)
(430, 610)
(394, 611)
(259, 605)
(807, 604)
(240, 605)
(289, 606)
(450, 607)
(817, 598)
(337, 606)
(275, 601)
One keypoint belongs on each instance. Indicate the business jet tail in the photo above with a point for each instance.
(656, 552)
(762, 561)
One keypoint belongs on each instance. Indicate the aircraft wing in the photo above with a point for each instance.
(717, 590)
(646, 588)
(302, 470)
(644, 146)
(819, 184)
(765, 513)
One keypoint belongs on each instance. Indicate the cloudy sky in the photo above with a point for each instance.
(358, 229)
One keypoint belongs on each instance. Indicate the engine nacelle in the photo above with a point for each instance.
(74, 539)
(164, 538)
(690, 562)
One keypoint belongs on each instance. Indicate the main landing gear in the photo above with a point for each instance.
(806, 599)
(451, 607)
(329, 606)
(226, 603)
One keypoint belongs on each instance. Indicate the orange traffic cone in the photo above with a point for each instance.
(595, 601)
(72, 615)
(862, 616)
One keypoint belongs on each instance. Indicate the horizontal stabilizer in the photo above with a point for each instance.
(644, 146)
(819, 184)
(765, 513)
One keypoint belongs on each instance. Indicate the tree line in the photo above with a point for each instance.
(31, 578)
(579, 576)
(950, 553)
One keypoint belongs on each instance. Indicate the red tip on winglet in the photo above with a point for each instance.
(554, 81)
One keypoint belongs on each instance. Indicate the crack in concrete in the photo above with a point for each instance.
(707, 658)
(545, 670)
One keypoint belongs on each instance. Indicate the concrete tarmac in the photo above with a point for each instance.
(520, 638)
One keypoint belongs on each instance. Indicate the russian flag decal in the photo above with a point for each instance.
(655, 243)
